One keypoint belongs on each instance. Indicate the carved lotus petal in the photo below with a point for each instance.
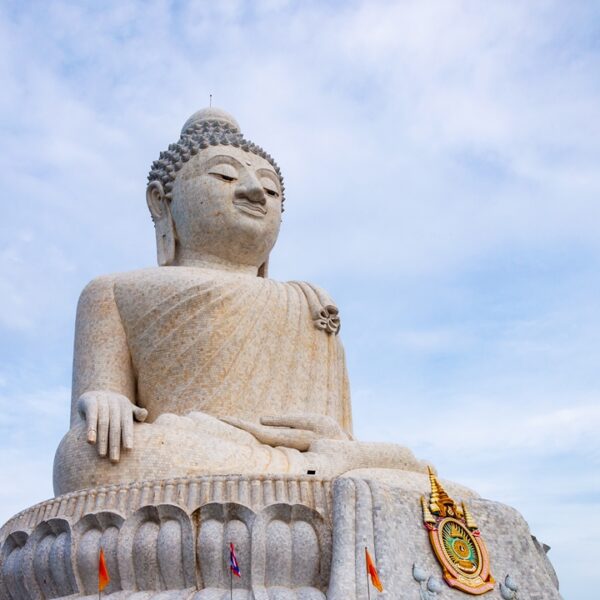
(419, 574)
(510, 583)
(506, 593)
(434, 584)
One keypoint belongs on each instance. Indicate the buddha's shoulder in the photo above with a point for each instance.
(152, 278)
(161, 280)
(105, 284)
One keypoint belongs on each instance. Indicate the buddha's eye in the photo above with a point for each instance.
(224, 172)
(269, 187)
(223, 177)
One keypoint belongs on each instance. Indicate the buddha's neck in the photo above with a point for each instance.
(209, 261)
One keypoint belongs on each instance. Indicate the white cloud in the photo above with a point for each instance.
(32, 423)
(441, 168)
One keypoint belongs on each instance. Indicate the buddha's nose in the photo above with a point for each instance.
(249, 187)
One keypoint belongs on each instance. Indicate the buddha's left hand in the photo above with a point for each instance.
(292, 431)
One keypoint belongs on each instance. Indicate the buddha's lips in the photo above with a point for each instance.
(252, 207)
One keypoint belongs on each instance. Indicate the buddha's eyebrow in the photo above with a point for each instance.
(222, 158)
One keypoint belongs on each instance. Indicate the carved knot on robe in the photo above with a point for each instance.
(328, 319)
(326, 315)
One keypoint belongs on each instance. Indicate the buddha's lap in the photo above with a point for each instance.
(198, 444)
(172, 446)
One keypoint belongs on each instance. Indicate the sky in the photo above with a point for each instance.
(442, 183)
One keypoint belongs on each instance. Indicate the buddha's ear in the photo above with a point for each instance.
(164, 226)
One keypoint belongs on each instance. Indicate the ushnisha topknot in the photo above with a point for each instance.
(206, 127)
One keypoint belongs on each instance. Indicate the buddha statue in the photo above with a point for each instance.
(203, 365)
(211, 410)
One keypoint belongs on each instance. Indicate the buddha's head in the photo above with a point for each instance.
(215, 195)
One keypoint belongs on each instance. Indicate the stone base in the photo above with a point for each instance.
(381, 509)
(296, 538)
(171, 538)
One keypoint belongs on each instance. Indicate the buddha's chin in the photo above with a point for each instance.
(255, 233)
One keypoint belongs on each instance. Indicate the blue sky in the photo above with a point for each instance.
(442, 182)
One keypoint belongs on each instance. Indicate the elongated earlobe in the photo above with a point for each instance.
(263, 270)
(163, 223)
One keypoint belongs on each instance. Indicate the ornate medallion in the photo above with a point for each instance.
(456, 541)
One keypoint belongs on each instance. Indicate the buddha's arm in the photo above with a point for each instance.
(103, 391)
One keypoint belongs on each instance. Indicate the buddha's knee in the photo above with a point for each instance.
(77, 464)
(172, 446)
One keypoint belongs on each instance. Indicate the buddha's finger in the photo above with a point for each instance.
(89, 409)
(127, 429)
(322, 425)
(295, 421)
(241, 424)
(140, 414)
(103, 416)
(300, 439)
(263, 434)
(114, 431)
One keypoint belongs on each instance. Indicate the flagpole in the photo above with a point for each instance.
(230, 574)
(367, 575)
(99, 588)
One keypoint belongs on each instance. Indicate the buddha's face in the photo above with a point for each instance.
(227, 203)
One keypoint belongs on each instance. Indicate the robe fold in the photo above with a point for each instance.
(231, 345)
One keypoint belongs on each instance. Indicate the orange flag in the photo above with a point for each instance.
(372, 571)
(103, 576)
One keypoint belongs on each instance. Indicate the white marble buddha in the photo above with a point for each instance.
(203, 365)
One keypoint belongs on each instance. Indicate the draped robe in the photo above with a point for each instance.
(230, 345)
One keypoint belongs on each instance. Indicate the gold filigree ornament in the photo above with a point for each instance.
(456, 541)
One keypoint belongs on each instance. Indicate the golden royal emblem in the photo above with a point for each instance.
(456, 541)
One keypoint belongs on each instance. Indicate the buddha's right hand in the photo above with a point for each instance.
(109, 419)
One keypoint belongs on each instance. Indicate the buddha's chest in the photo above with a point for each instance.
(190, 324)
(210, 345)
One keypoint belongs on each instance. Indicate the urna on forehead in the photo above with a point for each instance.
(206, 127)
